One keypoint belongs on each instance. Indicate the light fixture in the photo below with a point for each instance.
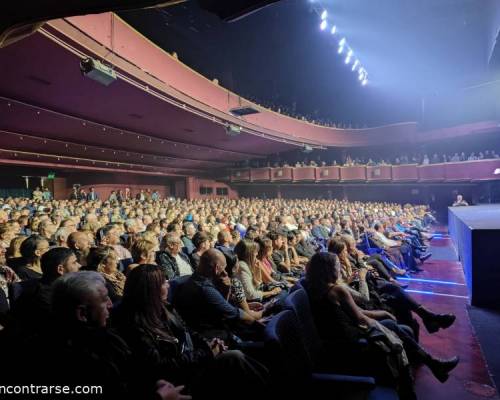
(324, 15)
(334, 29)
(323, 25)
(342, 41)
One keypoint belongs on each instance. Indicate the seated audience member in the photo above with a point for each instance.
(61, 237)
(187, 238)
(202, 301)
(143, 252)
(165, 349)
(7, 278)
(341, 322)
(270, 274)
(281, 256)
(237, 294)
(131, 230)
(31, 310)
(201, 242)
(79, 242)
(303, 247)
(14, 257)
(104, 260)
(32, 250)
(397, 249)
(460, 202)
(7, 233)
(295, 260)
(376, 261)
(77, 342)
(109, 235)
(319, 231)
(224, 241)
(170, 257)
(47, 229)
(371, 292)
(250, 273)
(235, 238)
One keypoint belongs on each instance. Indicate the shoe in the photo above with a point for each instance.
(399, 271)
(434, 322)
(441, 368)
(425, 257)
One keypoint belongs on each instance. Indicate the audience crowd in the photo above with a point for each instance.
(347, 160)
(170, 298)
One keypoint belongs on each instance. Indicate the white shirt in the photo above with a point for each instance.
(184, 267)
(385, 240)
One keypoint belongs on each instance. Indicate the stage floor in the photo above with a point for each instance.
(441, 287)
(485, 216)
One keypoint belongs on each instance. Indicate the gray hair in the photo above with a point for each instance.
(73, 289)
(130, 222)
(61, 234)
(170, 238)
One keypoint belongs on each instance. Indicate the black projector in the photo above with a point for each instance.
(97, 71)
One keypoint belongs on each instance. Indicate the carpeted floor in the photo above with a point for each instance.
(486, 323)
(441, 288)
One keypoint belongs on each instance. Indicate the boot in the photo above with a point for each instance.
(433, 322)
(441, 368)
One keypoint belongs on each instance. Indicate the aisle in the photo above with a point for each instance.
(441, 288)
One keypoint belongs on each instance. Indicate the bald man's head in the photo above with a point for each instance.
(212, 264)
(78, 241)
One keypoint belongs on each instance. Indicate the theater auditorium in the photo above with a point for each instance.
(250, 199)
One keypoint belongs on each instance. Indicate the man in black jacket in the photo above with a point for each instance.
(171, 259)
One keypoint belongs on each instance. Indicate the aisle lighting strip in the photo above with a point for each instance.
(343, 46)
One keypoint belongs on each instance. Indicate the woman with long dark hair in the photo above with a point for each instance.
(164, 349)
(371, 292)
(341, 322)
(250, 273)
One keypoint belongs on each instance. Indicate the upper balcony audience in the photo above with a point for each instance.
(368, 160)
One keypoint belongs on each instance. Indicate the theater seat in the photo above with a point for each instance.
(174, 283)
(291, 363)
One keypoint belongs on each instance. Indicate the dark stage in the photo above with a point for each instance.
(475, 232)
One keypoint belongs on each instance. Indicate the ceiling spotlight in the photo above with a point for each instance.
(341, 49)
(342, 41)
(355, 65)
(347, 59)
(364, 82)
(334, 29)
(323, 25)
(324, 15)
(349, 53)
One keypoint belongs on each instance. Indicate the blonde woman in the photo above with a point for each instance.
(14, 250)
(250, 273)
(104, 260)
(143, 252)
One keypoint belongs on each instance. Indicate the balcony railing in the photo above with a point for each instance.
(467, 171)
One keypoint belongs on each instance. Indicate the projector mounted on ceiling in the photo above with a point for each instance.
(97, 71)
(233, 130)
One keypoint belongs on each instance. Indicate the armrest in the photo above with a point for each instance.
(366, 383)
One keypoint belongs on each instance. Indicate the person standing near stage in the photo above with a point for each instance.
(459, 202)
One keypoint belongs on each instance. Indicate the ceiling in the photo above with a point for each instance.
(413, 50)
(47, 106)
